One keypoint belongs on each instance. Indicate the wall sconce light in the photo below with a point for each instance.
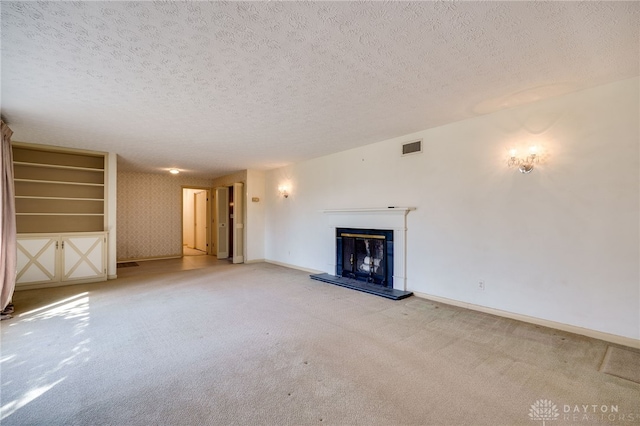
(525, 164)
(284, 191)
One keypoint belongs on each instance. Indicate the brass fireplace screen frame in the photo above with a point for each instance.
(347, 270)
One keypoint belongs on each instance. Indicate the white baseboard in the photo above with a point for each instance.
(613, 338)
(112, 277)
(41, 285)
(287, 265)
(144, 259)
(254, 261)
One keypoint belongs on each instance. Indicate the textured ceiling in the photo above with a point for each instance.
(212, 88)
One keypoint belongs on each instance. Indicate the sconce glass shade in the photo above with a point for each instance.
(525, 164)
(525, 168)
(284, 191)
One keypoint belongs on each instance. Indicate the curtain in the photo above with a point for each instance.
(8, 245)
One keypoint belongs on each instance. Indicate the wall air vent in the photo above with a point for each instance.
(414, 147)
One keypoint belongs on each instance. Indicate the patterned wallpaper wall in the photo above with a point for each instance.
(149, 216)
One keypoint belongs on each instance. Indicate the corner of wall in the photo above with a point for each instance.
(112, 208)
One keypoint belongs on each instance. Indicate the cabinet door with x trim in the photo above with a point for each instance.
(57, 259)
(37, 260)
(83, 257)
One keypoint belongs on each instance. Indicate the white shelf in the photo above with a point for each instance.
(60, 182)
(391, 210)
(59, 190)
(36, 197)
(59, 214)
(56, 166)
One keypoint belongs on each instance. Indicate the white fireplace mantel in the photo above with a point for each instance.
(390, 210)
(394, 218)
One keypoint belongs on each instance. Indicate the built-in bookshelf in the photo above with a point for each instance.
(58, 191)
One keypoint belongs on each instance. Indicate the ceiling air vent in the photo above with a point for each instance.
(414, 147)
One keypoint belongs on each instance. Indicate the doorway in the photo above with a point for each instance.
(231, 225)
(229, 222)
(195, 214)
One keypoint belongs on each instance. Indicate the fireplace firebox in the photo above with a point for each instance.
(365, 255)
(364, 259)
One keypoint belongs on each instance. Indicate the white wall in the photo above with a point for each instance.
(255, 219)
(560, 244)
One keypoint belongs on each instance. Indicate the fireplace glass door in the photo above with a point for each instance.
(364, 258)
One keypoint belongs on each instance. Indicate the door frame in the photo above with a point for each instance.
(239, 219)
(238, 232)
(198, 232)
(209, 231)
(221, 203)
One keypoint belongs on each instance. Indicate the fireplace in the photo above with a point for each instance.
(365, 255)
(366, 250)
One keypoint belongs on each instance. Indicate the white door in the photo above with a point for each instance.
(222, 220)
(83, 257)
(200, 221)
(238, 223)
(48, 260)
(37, 259)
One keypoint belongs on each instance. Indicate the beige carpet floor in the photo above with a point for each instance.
(261, 344)
(621, 362)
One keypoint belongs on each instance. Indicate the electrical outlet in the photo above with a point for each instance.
(481, 285)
